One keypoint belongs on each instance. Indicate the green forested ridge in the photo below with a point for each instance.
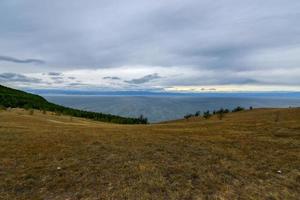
(15, 98)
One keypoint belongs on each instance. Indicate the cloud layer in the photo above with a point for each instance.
(17, 78)
(144, 79)
(188, 43)
(16, 60)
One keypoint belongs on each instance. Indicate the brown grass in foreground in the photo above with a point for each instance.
(246, 155)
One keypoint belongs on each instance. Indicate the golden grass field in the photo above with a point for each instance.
(246, 155)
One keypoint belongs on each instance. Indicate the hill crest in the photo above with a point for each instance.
(19, 99)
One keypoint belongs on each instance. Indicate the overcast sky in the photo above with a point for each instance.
(167, 45)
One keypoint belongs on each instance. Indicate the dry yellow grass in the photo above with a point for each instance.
(247, 155)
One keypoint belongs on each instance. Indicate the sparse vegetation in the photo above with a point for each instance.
(187, 116)
(2, 108)
(49, 156)
(238, 109)
(198, 114)
(206, 114)
(221, 113)
(45, 156)
(143, 120)
(31, 112)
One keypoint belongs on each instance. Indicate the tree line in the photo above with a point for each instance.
(11, 98)
(221, 112)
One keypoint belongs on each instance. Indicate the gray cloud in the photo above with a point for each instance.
(13, 77)
(228, 35)
(16, 60)
(111, 78)
(77, 84)
(144, 79)
(54, 74)
(57, 78)
(59, 81)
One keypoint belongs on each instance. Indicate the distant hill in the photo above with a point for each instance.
(19, 99)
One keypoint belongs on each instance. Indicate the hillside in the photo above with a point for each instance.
(246, 155)
(18, 99)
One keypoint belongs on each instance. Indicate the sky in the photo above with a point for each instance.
(168, 45)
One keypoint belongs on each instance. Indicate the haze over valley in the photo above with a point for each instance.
(159, 108)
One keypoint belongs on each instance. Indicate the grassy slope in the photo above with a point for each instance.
(19, 99)
(58, 157)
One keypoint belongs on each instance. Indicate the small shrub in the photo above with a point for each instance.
(206, 114)
(187, 116)
(27, 107)
(197, 114)
(226, 111)
(2, 108)
(238, 109)
(222, 112)
(220, 115)
(31, 112)
(143, 120)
